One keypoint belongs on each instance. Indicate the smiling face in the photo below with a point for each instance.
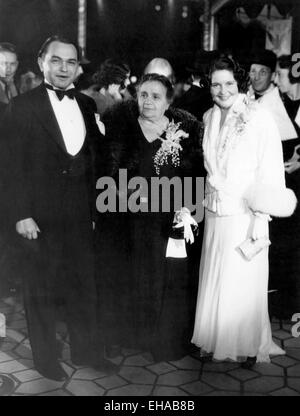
(152, 100)
(260, 77)
(223, 88)
(59, 64)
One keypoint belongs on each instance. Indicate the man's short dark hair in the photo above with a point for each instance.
(286, 62)
(8, 47)
(56, 38)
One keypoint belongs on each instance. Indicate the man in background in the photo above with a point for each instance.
(266, 94)
(112, 78)
(8, 68)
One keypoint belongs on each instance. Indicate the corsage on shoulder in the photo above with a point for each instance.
(236, 124)
(170, 146)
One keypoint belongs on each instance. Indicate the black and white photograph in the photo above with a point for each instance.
(149, 200)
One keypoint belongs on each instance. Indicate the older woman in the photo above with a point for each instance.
(245, 173)
(147, 299)
(284, 255)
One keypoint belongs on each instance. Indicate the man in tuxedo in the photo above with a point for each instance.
(8, 68)
(53, 135)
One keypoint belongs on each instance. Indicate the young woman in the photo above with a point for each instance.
(245, 173)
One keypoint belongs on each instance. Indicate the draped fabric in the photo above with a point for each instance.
(253, 8)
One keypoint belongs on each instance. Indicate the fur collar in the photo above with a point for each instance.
(123, 134)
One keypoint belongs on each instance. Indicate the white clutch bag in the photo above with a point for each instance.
(250, 248)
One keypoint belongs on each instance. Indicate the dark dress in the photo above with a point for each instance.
(285, 237)
(147, 300)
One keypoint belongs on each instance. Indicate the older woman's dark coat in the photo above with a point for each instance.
(147, 301)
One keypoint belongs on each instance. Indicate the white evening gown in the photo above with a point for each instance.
(232, 319)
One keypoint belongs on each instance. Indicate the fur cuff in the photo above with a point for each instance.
(278, 202)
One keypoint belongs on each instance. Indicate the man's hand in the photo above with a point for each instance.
(28, 229)
(292, 166)
(294, 163)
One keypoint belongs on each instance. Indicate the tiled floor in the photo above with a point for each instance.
(139, 376)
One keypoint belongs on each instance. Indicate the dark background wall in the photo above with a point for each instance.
(27, 23)
(131, 29)
(136, 31)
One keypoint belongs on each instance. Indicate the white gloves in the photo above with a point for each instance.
(260, 226)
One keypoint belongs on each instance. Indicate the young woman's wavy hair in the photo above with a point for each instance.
(224, 62)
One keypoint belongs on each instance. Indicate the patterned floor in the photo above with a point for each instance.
(139, 376)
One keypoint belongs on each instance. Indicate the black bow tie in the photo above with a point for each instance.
(61, 93)
(257, 96)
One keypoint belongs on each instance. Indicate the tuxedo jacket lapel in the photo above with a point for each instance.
(45, 114)
(85, 113)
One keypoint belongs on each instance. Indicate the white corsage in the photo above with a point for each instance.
(170, 146)
(235, 125)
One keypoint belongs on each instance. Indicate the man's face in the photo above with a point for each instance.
(59, 64)
(260, 77)
(8, 65)
(282, 79)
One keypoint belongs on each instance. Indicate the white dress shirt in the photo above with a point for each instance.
(70, 121)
